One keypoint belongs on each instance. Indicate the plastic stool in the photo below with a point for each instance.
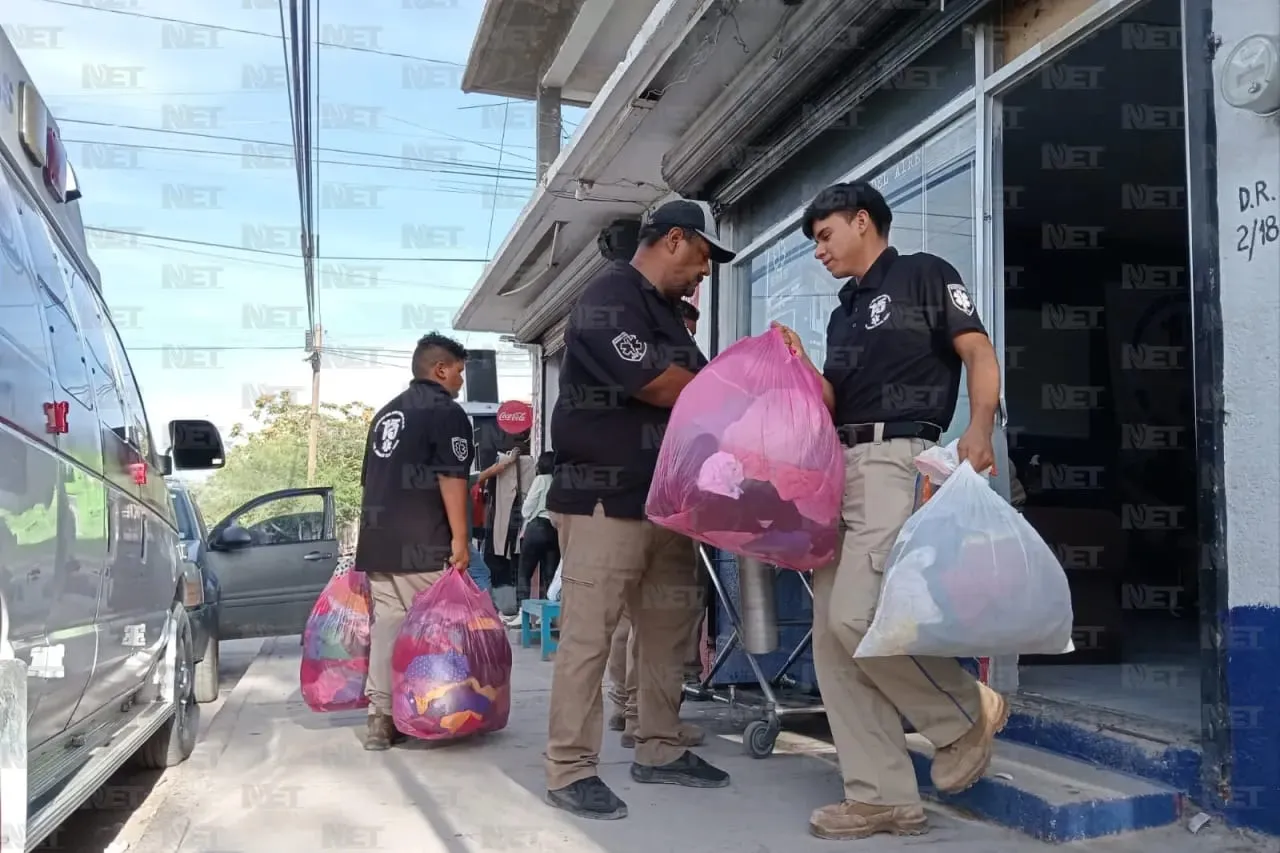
(547, 611)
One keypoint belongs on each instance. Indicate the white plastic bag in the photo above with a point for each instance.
(969, 577)
(553, 591)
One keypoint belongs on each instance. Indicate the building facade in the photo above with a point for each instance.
(1105, 174)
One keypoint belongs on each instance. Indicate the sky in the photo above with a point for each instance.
(175, 115)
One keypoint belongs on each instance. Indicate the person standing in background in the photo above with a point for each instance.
(539, 545)
(414, 515)
(509, 480)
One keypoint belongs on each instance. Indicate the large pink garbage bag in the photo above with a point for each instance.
(335, 645)
(750, 461)
(451, 663)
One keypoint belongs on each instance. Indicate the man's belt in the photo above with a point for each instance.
(852, 434)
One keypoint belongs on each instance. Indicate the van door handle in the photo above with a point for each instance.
(316, 555)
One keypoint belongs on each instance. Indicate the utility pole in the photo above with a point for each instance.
(315, 345)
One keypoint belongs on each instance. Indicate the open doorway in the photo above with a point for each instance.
(1098, 369)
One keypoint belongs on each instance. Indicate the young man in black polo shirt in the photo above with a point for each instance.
(414, 519)
(628, 356)
(896, 342)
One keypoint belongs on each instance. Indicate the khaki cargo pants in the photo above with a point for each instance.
(622, 670)
(391, 596)
(866, 698)
(608, 564)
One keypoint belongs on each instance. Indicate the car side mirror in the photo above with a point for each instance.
(234, 537)
(195, 445)
(166, 465)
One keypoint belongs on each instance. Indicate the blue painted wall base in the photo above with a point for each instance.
(1251, 636)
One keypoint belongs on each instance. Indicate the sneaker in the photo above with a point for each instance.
(381, 733)
(960, 765)
(617, 722)
(688, 735)
(851, 820)
(589, 798)
(688, 770)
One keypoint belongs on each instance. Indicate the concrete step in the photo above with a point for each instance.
(1151, 749)
(1052, 797)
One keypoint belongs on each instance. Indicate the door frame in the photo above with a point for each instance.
(259, 598)
(1207, 356)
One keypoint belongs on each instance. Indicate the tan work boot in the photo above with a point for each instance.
(850, 820)
(960, 765)
(381, 733)
(689, 736)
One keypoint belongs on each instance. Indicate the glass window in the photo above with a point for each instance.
(64, 336)
(931, 192)
(285, 521)
(59, 315)
(182, 511)
(94, 323)
(21, 328)
(135, 413)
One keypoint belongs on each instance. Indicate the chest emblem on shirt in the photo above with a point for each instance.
(878, 310)
(386, 434)
(630, 348)
(460, 449)
(960, 298)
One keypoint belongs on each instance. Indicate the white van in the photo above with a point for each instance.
(95, 644)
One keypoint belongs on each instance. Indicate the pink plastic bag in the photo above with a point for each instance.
(750, 461)
(451, 663)
(335, 645)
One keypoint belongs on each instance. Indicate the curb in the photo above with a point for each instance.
(175, 796)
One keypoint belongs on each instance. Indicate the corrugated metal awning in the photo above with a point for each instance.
(553, 338)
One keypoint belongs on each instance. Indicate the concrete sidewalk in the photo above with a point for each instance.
(272, 775)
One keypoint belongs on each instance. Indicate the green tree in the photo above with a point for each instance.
(274, 456)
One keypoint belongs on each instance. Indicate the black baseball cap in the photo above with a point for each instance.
(694, 216)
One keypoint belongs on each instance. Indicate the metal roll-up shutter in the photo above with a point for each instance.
(553, 339)
(903, 37)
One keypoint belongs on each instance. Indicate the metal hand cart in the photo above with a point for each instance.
(776, 697)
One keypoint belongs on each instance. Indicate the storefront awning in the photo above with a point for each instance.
(677, 64)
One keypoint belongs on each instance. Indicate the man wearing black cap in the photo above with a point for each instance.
(627, 357)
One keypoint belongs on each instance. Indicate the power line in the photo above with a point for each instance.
(212, 245)
(493, 211)
(292, 268)
(260, 34)
(180, 149)
(373, 131)
(251, 141)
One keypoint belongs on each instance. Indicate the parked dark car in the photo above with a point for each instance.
(202, 594)
(258, 571)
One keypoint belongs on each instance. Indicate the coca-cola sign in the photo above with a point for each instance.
(515, 417)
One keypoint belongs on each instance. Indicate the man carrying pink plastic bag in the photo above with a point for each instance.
(414, 516)
(627, 359)
(904, 327)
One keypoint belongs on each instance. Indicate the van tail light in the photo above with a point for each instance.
(192, 592)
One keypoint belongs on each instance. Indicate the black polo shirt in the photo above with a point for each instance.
(890, 351)
(622, 334)
(420, 434)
